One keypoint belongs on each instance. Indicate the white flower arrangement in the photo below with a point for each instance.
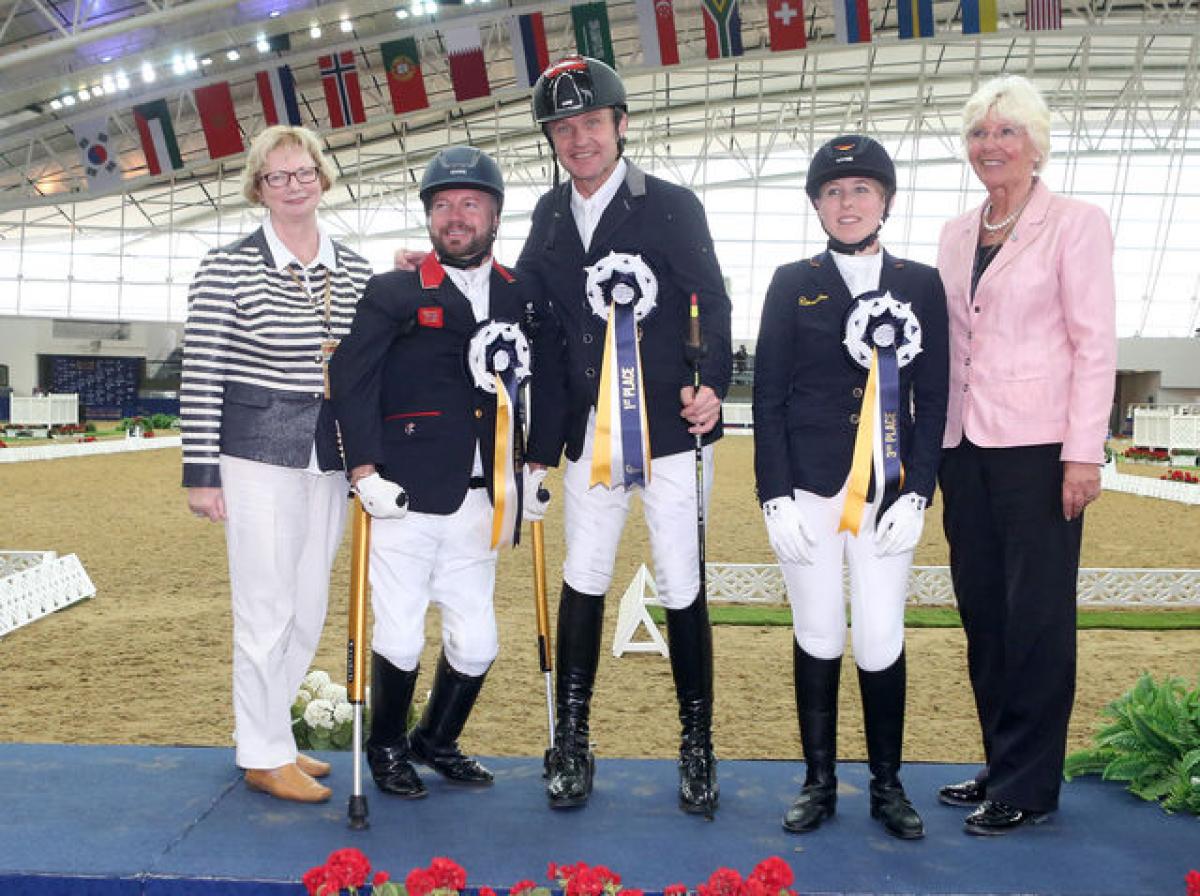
(322, 716)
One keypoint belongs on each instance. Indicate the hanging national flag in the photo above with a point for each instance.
(1043, 15)
(852, 21)
(343, 99)
(98, 153)
(158, 137)
(531, 56)
(786, 23)
(405, 81)
(592, 35)
(979, 16)
(915, 18)
(722, 28)
(468, 72)
(656, 22)
(214, 104)
(277, 89)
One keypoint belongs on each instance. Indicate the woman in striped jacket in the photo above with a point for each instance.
(260, 452)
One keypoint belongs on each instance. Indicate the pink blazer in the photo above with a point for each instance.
(1033, 353)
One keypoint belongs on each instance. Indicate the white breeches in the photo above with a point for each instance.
(283, 530)
(444, 559)
(878, 587)
(595, 517)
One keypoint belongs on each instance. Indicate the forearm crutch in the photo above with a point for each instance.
(356, 656)
(543, 624)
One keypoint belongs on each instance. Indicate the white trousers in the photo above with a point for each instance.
(283, 530)
(444, 559)
(878, 587)
(595, 517)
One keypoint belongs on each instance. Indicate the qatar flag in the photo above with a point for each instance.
(467, 70)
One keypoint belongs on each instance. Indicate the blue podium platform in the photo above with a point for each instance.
(168, 821)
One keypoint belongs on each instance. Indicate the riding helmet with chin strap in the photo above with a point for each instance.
(852, 155)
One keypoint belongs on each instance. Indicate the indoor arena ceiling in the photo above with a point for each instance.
(1122, 79)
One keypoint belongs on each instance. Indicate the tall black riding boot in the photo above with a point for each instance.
(816, 684)
(883, 696)
(388, 752)
(570, 764)
(434, 740)
(690, 638)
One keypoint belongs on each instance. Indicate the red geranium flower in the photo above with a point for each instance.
(418, 882)
(447, 874)
(521, 886)
(1193, 883)
(675, 890)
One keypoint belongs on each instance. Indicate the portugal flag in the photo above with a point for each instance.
(405, 81)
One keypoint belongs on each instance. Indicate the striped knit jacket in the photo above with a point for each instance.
(253, 378)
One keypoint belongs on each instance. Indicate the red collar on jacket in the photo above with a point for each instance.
(432, 273)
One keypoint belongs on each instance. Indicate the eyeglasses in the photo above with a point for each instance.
(1006, 135)
(281, 178)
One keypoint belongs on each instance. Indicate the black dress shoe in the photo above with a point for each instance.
(994, 817)
(965, 794)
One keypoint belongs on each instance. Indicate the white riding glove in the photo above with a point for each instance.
(537, 497)
(790, 537)
(382, 498)
(899, 529)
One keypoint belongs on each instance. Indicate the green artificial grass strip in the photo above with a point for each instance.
(944, 617)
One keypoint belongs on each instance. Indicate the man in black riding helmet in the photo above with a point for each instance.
(435, 464)
(624, 257)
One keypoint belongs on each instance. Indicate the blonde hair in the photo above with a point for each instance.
(1017, 100)
(270, 140)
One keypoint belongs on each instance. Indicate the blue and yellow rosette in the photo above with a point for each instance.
(498, 360)
(882, 335)
(621, 290)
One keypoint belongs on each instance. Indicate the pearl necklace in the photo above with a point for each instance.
(1002, 224)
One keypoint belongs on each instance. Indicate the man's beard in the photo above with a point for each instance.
(479, 246)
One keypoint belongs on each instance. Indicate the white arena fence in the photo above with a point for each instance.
(1169, 426)
(1148, 486)
(84, 449)
(34, 584)
(928, 586)
(44, 410)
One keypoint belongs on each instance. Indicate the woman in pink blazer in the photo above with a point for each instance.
(1029, 291)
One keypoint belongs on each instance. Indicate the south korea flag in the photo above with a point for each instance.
(98, 154)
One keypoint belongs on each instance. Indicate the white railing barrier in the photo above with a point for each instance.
(928, 586)
(1148, 486)
(43, 410)
(81, 449)
(32, 588)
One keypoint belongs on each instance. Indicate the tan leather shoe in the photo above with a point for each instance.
(287, 783)
(314, 768)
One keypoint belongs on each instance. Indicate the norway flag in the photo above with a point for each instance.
(343, 98)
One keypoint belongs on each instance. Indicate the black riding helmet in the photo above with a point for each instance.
(852, 155)
(462, 168)
(573, 85)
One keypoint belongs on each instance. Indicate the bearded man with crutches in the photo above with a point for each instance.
(621, 253)
(426, 390)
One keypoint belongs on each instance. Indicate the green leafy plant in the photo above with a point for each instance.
(1152, 742)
